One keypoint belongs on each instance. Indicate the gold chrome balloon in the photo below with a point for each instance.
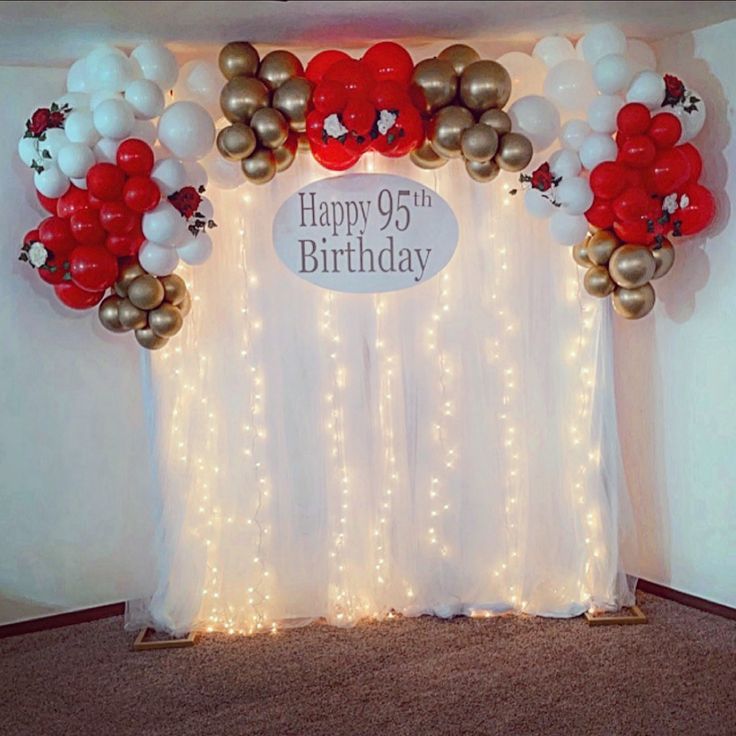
(260, 167)
(479, 143)
(148, 339)
(580, 253)
(482, 171)
(598, 282)
(285, 154)
(166, 320)
(270, 127)
(664, 258)
(146, 292)
(303, 142)
(279, 66)
(425, 157)
(238, 59)
(632, 266)
(460, 56)
(241, 97)
(497, 119)
(514, 152)
(600, 247)
(446, 129)
(174, 289)
(108, 314)
(130, 316)
(485, 84)
(186, 305)
(292, 100)
(236, 142)
(634, 303)
(433, 84)
(126, 275)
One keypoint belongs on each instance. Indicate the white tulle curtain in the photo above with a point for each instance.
(447, 449)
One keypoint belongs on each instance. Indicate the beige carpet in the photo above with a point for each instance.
(506, 676)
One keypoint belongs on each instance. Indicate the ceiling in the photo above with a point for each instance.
(55, 33)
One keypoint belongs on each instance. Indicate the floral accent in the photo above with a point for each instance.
(37, 255)
(669, 203)
(541, 179)
(45, 118)
(684, 201)
(187, 201)
(675, 94)
(333, 126)
(386, 120)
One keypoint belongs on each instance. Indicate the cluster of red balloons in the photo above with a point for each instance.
(370, 99)
(651, 190)
(89, 230)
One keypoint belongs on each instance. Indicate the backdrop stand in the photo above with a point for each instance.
(625, 616)
(141, 644)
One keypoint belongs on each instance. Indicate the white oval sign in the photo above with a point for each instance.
(365, 233)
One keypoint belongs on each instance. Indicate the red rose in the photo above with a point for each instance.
(186, 200)
(542, 178)
(674, 90)
(39, 121)
(56, 120)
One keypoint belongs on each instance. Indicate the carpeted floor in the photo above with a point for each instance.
(508, 676)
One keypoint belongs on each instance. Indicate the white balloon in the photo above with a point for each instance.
(570, 85)
(165, 225)
(80, 183)
(537, 204)
(106, 150)
(573, 133)
(144, 130)
(567, 229)
(564, 163)
(101, 95)
(601, 40)
(54, 140)
(75, 100)
(196, 173)
(170, 175)
(195, 250)
(76, 77)
(51, 182)
(187, 130)
(99, 52)
(146, 98)
(579, 48)
(551, 50)
(28, 151)
(206, 209)
(692, 122)
(223, 174)
(75, 160)
(110, 71)
(201, 81)
(602, 113)
(640, 55)
(114, 119)
(156, 63)
(80, 127)
(612, 74)
(575, 195)
(158, 260)
(526, 74)
(648, 88)
(597, 148)
(537, 118)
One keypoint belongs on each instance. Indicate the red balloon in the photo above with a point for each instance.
(608, 180)
(633, 232)
(669, 172)
(329, 96)
(75, 199)
(359, 116)
(638, 152)
(31, 237)
(93, 268)
(117, 219)
(600, 214)
(699, 212)
(665, 130)
(389, 96)
(406, 135)
(635, 178)
(352, 75)
(56, 234)
(321, 62)
(135, 157)
(86, 227)
(141, 194)
(125, 245)
(633, 119)
(57, 275)
(47, 203)
(387, 61)
(632, 205)
(105, 181)
(70, 294)
(693, 158)
(332, 155)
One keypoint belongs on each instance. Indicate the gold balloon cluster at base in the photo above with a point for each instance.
(461, 97)
(623, 271)
(153, 306)
(266, 101)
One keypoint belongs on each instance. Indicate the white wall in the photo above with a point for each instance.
(75, 529)
(676, 373)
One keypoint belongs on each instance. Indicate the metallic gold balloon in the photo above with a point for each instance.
(108, 314)
(598, 282)
(186, 305)
(580, 253)
(238, 59)
(236, 142)
(174, 289)
(148, 339)
(270, 126)
(146, 292)
(241, 97)
(446, 129)
(479, 143)
(303, 142)
(600, 247)
(460, 56)
(664, 257)
(485, 84)
(433, 84)
(482, 171)
(498, 120)
(126, 275)
(425, 157)
(285, 154)
(260, 167)
(292, 100)
(130, 316)
(632, 266)
(166, 320)
(514, 152)
(634, 303)
(279, 66)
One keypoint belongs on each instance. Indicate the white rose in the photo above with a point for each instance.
(684, 200)
(386, 121)
(37, 255)
(669, 204)
(333, 127)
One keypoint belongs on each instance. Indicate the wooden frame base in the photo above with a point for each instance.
(626, 616)
(141, 645)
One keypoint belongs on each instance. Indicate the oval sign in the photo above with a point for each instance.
(365, 233)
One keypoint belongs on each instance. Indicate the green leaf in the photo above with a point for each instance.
(67, 277)
(45, 153)
(23, 257)
(54, 107)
